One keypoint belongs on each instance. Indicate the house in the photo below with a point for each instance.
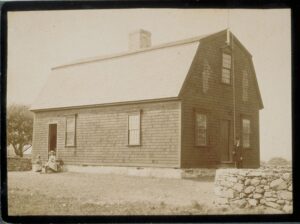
(174, 105)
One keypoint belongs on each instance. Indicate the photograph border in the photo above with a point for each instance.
(72, 5)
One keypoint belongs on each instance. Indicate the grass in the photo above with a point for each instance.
(94, 194)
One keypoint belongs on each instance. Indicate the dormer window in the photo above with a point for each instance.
(226, 68)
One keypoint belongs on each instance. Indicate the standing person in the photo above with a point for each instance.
(237, 154)
(51, 164)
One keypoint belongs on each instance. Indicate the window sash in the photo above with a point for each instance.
(226, 61)
(205, 76)
(246, 133)
(246, 140)
(245, 86)
(201, 129)
(70, 130)
(226, 76)
(134, 129)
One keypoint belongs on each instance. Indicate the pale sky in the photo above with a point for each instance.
(39, 40)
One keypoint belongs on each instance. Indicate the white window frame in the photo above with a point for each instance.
(134, 128)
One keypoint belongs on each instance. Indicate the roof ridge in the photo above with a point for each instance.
(125, 53)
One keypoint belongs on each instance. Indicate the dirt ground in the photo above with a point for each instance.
(69, 193)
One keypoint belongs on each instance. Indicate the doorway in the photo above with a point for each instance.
(225, 140)
(52, 138)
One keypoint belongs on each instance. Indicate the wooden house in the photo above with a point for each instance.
(176, 105)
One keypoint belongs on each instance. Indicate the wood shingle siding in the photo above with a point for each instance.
(217, 103)
(102, 137)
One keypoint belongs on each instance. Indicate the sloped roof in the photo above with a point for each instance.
(153, 73)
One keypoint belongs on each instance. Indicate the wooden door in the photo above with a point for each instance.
(224, 140)
(52, 140)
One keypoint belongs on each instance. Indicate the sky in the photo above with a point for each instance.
(39, 40)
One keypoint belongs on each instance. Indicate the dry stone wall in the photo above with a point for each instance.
(18, 164)
(267, 187)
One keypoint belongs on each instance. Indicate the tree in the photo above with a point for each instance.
(19, 127)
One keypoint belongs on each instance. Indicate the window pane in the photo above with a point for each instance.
(201, 120)
(70, 131)
(70, 124)
(246, 126)
(201, 125)
(205, 76)
(201, 136)
(246, 133)
(227, 61)
(226, 76)
(134, 122)
(70, 138)
(245, 86)
(134, 137)
(134, 129)
(246, 140)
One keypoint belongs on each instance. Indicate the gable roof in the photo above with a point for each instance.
(154, 73)
(148, 74)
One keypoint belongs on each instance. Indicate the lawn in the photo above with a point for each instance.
(69, 193)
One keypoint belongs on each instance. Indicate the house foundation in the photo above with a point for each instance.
(177, 173)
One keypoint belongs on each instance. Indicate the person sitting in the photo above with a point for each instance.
(51, 164)
(37, 166)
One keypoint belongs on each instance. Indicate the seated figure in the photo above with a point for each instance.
(51, 164)
(37, 166)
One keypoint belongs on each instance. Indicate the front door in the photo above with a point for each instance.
(224, 140)
(52, 142)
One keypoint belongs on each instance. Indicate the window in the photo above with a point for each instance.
(245, 86)
(205, 76)
(201, 129)
(70, 130)
(226, 76)
(246, 133)
(134, 129)
(226, 68)
(226, 61)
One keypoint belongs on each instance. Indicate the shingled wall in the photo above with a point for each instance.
(216, 101)
(102, 137)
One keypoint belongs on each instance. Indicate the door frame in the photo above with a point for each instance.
(48, 126)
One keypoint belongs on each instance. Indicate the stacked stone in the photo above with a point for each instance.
(18, 164)
(245, 188)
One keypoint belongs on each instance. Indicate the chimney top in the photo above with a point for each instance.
(139, 39)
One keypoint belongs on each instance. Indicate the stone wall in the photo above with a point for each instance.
(18, 164)
(268, 187)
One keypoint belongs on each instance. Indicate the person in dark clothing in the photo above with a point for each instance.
(237, 154)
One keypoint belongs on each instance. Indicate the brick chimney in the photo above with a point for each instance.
(139, 39)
